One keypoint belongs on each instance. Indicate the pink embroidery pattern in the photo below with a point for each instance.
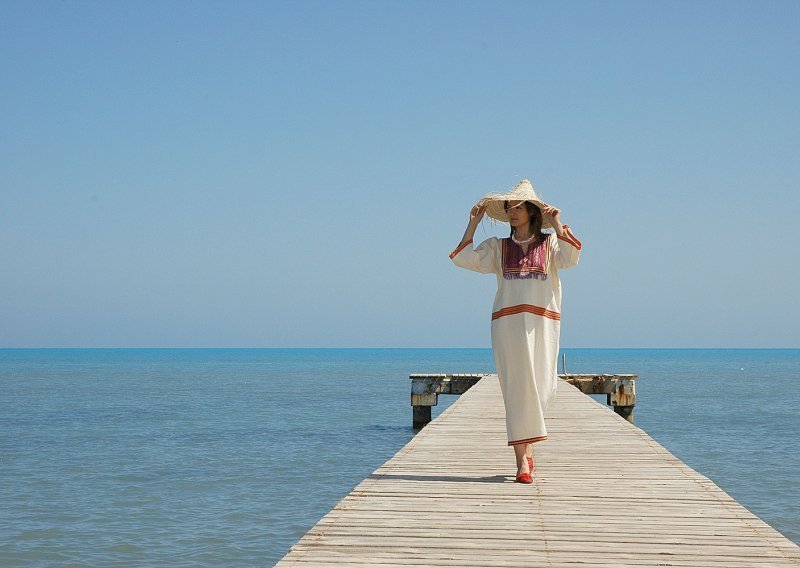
(517, 264)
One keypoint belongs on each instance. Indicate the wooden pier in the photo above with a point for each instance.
(604, 495)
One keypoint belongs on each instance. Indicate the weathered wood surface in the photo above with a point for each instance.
(605, 495)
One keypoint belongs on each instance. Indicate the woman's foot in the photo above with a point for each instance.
(531, 465)
(524, 473)
(524, 463)
(524, 478)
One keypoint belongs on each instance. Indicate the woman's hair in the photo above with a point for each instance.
(536, 219)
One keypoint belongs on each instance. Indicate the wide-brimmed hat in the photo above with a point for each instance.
(523, 191)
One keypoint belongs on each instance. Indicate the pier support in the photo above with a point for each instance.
(620, 390)
(625, 411)
(426, 388)
(422, 415)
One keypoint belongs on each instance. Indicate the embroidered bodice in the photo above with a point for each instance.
(519, 264)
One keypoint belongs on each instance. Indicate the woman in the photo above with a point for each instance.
(527, 308)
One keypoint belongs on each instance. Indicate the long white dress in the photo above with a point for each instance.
(526, 325)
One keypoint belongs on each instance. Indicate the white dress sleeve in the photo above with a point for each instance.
(485, 258)
(566, 249)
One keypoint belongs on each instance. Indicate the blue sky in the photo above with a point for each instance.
(292, 174)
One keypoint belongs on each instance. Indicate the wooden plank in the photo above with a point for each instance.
(605, 494)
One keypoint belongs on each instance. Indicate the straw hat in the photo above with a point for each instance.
(523, 191)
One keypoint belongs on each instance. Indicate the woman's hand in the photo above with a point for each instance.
(554, 215)
(477, 213)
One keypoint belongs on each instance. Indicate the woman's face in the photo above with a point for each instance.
(518, 215)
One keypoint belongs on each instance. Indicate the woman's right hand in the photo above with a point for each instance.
(477, 213)
(475, 216)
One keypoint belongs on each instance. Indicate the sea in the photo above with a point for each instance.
(226, 457)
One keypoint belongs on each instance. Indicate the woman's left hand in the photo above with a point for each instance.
(552, 212)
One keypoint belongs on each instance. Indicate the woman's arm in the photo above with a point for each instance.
(484, 257)
(568, 251)
(475, 217)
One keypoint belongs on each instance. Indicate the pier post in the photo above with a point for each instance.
(623, 398)
(422, 403)
(625, 411)
(422, 415)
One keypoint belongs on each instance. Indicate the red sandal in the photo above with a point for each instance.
(524, 478)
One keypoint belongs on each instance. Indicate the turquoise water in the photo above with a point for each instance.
(226, 457)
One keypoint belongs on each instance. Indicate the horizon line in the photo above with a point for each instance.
(488, 348)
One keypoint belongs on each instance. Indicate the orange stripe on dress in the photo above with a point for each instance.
(526, 308)
(527, 441)
(570, 238)
(460, 248)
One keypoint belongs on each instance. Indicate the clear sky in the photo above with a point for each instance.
(294, 174)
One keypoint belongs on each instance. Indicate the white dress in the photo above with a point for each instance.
(526, 324)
